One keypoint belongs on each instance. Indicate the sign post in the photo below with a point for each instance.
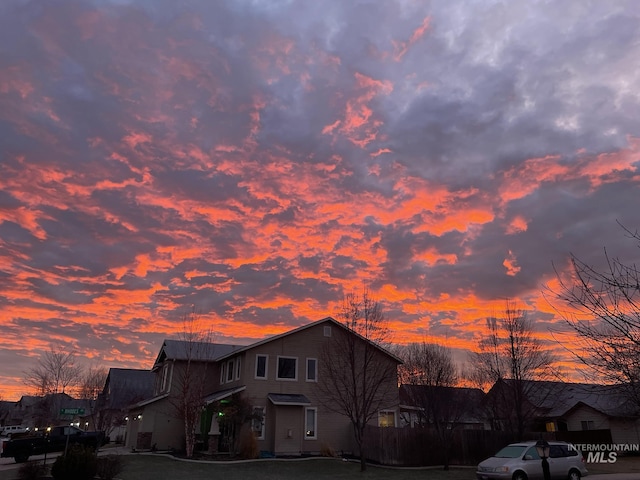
(70, 411)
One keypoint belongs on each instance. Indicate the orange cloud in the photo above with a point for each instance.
(359, 124)
(401, 48)
(511, 264)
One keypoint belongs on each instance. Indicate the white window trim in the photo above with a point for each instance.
(315, 424)
(315, 373)
(387, 411)
(266, 366)
(222, 372)
(295, 378)
(167, 377)
(238, 368)
(264, 413)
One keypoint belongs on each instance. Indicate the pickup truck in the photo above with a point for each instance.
(55, 440)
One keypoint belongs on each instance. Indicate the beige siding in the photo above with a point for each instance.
(168, 431)
(161, 417)
(625, 431)
(584, 413)
(333, 430)
(158, 419)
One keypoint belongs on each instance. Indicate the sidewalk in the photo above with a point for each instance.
(614, 476)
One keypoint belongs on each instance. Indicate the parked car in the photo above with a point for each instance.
(9, 430)
(54, 441)
(520, 461)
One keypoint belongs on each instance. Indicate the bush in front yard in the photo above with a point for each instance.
(32, 471)
(247, 444)
(109, 466)
(79, 463)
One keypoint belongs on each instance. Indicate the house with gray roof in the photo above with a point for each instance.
(277, 382)
(123, 387)
(454, 407)
(583, 407)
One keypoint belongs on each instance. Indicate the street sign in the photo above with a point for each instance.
(72, 411)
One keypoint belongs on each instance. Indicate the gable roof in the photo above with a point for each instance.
(305, 327)
(461, 404)
(125, 386)
(408, 393)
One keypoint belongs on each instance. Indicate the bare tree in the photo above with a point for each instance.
(90, 387)
(429, 376)
(92, 382)
(604, 310)
(56, 372)
(197, 354)
(428, 364)
(510, 357)
(358, 377)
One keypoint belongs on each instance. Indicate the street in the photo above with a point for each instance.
(9, 463)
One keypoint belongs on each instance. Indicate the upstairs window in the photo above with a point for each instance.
(287, 368)
(164, 385)
(230, 370)
(261, 366)
(312, 370)
(238, 368)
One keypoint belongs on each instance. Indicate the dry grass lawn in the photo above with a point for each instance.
(147, 467)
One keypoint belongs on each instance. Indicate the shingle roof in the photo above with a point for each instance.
(199, 351)
(468, 399)
(127, 386)
(555, 399)
(291, 399)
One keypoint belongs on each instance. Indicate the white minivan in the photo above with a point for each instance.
(520, 461)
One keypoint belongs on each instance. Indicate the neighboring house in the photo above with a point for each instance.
(279, 378)
(583, 407)
(22, 413)
(123, 387)
(41, 412)
(7, 409)
(457, 407)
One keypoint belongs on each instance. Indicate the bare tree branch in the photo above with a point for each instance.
(357, 376)
(510, 356)
(196, 341)
(429, 376)
(603, 308)
(56, 372)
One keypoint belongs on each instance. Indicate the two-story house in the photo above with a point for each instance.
(281, 378)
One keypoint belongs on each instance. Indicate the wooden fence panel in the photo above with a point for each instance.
(421, 447)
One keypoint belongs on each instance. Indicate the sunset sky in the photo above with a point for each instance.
(256, 160)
